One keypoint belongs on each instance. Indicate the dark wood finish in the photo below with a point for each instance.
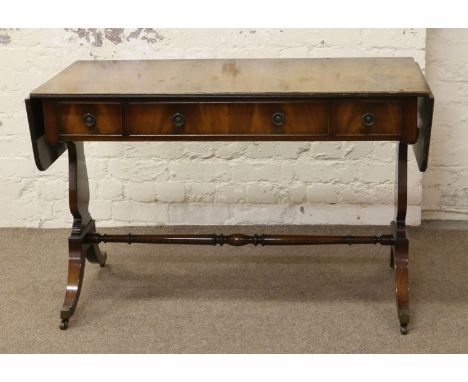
(238, 77)
(44, 153)
(78, 248)
(348, 117)
(260, 99)
(409, 117)
(107, 115)
(238, 239)
(421, 148)
(312, 120)
(217, 118)
(51, 122)
(393, 119)
(400, 249)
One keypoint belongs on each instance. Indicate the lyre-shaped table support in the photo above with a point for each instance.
(78, 248)
(84, 240)
(399, 251)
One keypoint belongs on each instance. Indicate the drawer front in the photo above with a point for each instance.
(93, 118)
(366, 117)
(313, 119)
(217, 118)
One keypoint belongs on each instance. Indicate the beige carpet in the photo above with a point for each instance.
(188, 299)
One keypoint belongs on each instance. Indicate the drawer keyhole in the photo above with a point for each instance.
(89, 120)
(368, 119)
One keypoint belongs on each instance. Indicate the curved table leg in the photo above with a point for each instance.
(82, 225)
(95, 255)
(76, 265)
(392, 258)
(401, 279)
(401, 248)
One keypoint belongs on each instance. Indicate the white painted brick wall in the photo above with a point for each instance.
(198, 182)
(445, 193)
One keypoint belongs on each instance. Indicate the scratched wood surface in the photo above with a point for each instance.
(231, 77)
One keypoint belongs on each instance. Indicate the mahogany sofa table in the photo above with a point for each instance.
(340, 99)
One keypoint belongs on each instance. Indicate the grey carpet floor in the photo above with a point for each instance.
(188, 299)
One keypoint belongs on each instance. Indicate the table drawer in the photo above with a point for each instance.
(90, 118)
(314, 119)
(218, 118)
(361, 117)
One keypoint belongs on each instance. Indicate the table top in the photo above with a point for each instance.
(289, 77)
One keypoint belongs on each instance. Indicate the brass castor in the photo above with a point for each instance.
(64, 324)
(404, 329)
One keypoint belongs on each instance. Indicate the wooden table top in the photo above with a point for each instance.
(238, 77)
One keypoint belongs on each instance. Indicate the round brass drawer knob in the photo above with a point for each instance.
(89, 120)
(278, 119)
(178, 120)
(368, 119)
